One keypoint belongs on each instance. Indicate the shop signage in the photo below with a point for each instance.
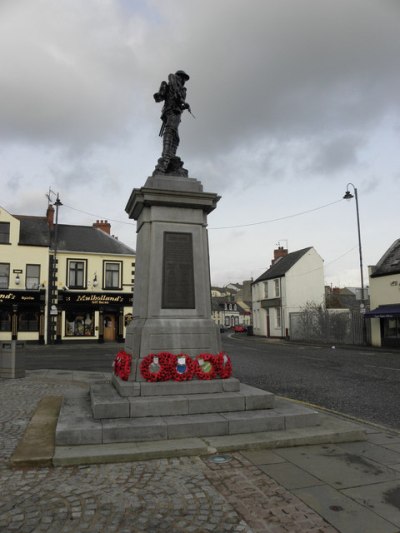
(97, 298)
(16, 297)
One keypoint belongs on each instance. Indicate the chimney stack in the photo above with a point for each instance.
(104, 225)
(278, 253)
(50, 216)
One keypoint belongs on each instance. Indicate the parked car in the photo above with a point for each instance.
(239, 329)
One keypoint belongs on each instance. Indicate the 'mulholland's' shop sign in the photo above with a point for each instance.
(82, 298)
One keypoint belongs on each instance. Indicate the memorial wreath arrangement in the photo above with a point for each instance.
(165, 366)
(122, 365)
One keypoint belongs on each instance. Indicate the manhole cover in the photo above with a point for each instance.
(220, 459)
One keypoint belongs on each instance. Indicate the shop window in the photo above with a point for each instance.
(28, 321)
(112, 275)
(4, 232)
(227, 321)
(32, 276)
(391, 328)
(4, 275)
(79, 324)
(5, 321)
(76, 274)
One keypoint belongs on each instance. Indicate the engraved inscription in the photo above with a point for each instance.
(178, 275)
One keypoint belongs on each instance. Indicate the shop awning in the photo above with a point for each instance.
(384, 311)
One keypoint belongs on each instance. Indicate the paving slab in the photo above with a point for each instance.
(383, 498)
(336, 466)
(343, 512)
(379, 454)
(290, 476)
(263, 457)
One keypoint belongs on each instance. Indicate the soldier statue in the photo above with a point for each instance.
(173, 94)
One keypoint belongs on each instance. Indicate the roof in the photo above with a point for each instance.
(34, 231)
(389, 262)
(89, 239)
(283, 265)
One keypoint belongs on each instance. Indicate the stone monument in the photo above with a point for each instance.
(172, 297)
(172, 313)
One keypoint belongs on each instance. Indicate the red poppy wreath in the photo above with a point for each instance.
(157, 367)
(205, 367)
(122, 365)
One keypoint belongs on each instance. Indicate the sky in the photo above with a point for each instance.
(293, 100)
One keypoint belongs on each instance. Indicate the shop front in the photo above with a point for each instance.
(389, 323)
(22, 315)
(93, 316)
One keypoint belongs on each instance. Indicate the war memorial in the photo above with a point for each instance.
(173, 391)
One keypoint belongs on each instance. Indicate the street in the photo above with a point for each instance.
(363, 383)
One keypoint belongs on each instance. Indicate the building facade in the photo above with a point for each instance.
(384, 287)
(62, 282)
(293, 280)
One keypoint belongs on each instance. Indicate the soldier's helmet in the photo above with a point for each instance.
(182, 74)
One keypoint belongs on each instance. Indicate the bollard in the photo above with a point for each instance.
(12, 359)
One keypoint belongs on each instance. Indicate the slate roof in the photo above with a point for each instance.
(34, 231)
(389, 262)
(283, 265)
(89, 239)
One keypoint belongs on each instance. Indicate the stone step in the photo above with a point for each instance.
(76, 425)
(107, 403)
(166, 388)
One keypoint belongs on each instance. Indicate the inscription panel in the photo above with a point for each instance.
(178, 272)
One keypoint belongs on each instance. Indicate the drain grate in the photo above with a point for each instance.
(220, 459)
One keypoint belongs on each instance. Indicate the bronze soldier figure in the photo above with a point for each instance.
(173, 94)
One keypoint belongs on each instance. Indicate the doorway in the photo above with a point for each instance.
(109, 327)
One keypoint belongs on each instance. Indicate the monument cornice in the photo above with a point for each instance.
(148, 197)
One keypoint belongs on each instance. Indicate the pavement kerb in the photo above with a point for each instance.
(36, 448)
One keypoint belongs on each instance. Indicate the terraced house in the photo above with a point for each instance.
(61, 282)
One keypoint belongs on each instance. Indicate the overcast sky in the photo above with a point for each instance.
(293, 100)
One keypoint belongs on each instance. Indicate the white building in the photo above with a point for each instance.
(292, 281)
(384, 287)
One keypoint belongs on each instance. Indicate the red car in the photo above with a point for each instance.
(239, 329)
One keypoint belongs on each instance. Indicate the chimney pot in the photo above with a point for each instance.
(103, 225)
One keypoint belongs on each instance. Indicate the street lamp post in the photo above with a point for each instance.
(52, 289)
(349, 196)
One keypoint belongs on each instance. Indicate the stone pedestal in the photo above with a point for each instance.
(172, 297)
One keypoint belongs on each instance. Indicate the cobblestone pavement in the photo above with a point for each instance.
(183, 495)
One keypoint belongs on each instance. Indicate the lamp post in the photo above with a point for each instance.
(349, 196)
(52, 290)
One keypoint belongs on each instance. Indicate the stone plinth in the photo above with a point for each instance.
(172, 297)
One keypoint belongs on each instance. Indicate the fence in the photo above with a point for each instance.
(330, 326)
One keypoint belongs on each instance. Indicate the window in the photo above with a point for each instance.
(278, 317)
(76, 274)
(277, 288)
(28, 321)
(112, 275)
(32, 276)
(266, 289)
(5, 321)
(4, 232)
(4, 275)
(80, 324)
